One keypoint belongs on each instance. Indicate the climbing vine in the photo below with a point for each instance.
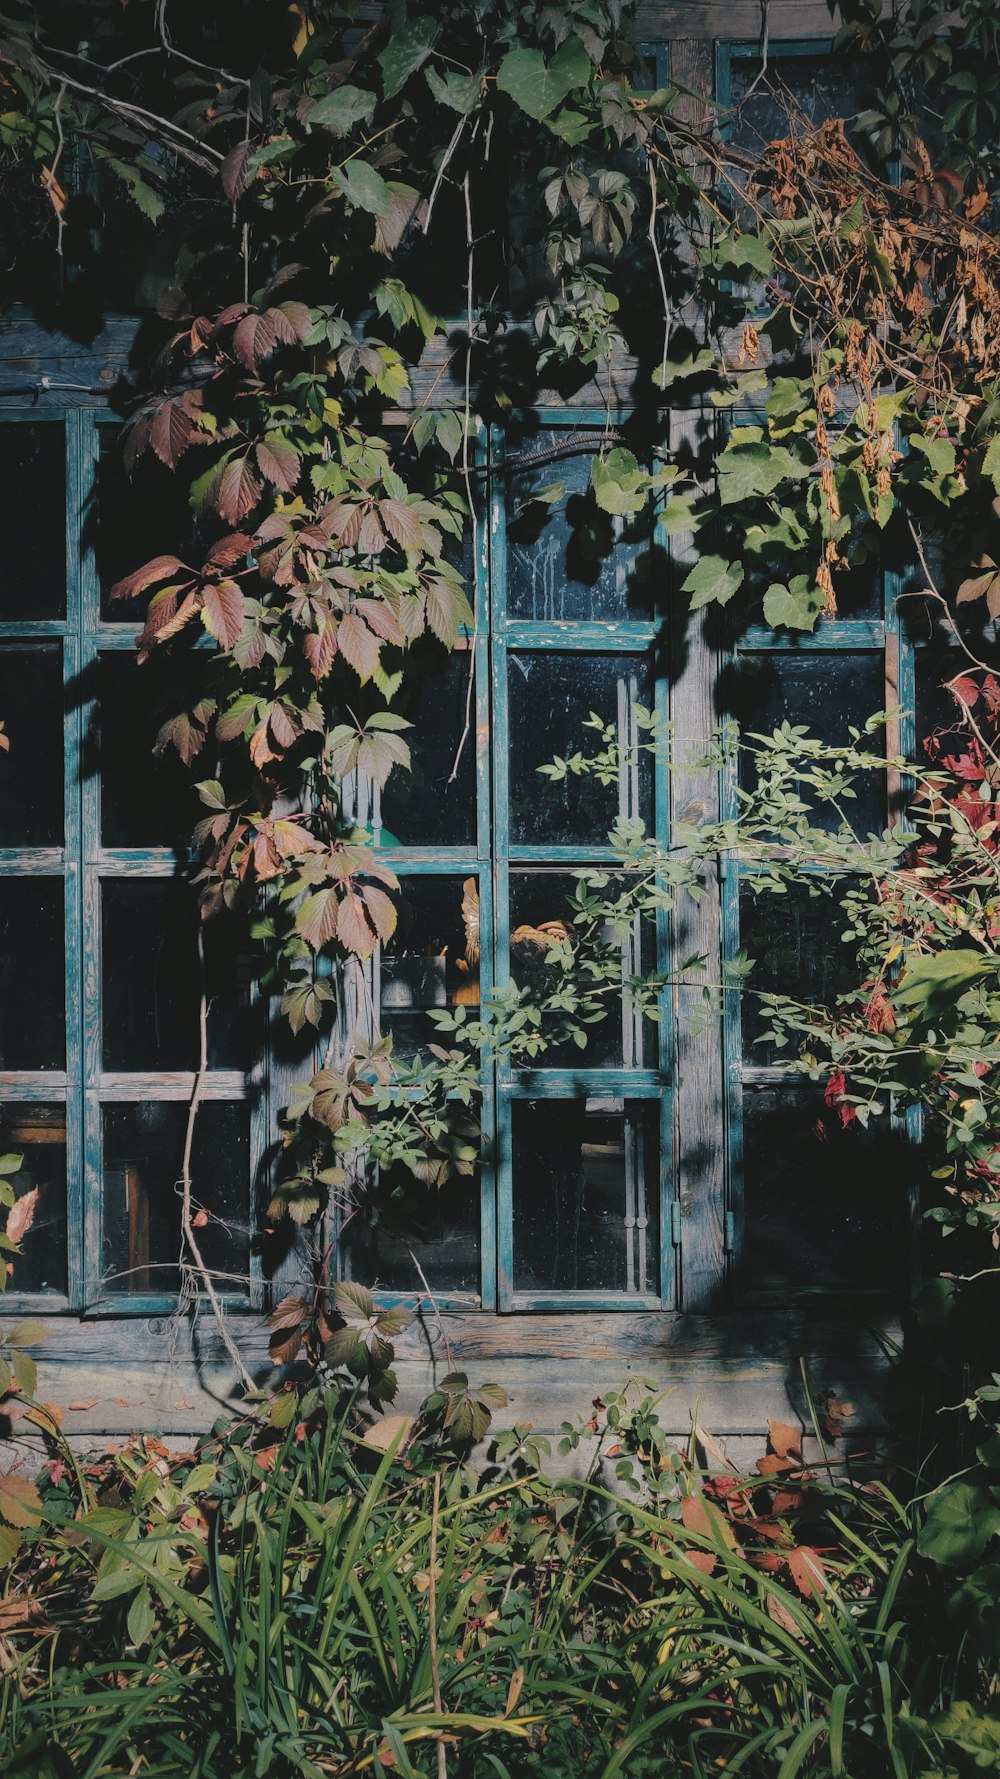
(400, 226)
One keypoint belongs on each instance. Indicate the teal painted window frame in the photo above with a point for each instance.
(85, 864)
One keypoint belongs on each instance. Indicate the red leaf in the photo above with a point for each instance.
(233, 171)
(402, 523)
(353, 931)
(159, 569)
(225, 611)
(358, 646)
(964, 690)
(238, 491)
(805, 1566)
(371, 537)
(279, 462)
(228, 551)
(316, 920)
(785, 1441)
(296, 323)
(320, 647)
(254, 339)
(171, 433)
(21, 1215)
(291, 1312)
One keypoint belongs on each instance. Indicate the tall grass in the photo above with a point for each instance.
(342, 1612)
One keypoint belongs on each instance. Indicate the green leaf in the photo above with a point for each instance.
(460, 92)
(940, 974)
(406, 51)
(962, 1517)
(538, 87)
(747, 471)
(796, 606)
(620, 485)
(365, 188)
(141, 1618)
(991, 462)
(712, 579)
(340, 110)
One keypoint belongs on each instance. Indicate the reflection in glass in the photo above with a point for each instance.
(405, 1233)
(795, 941)
(821, 1202)
(432, 959)
(792, 94)
(38, 1132)
(32, 996)
(551, 700)
(120, 522)
(33, 479)
(143, 1150)
(585, 1196)
(541, 912)
(149, 969)
(424, 807)
(31, 768)
(145, 800)
(566, 559)
(825, 694)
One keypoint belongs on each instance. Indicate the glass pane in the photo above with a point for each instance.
(31, 768)
(423, 807)
(149, 969)
(38, 1132)
(585, 1196)
(32, 962)
(33, 479)
(145, 800)
(821, 1201)
(792, 94)
(551, 700)
(432, 959)
(542, 909)
(825, 693)
(795, 942)
(566, 559)
(133, 519)
(403, 1230)
(942, 733)
(143, 1150)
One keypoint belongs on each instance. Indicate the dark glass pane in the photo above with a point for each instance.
(33, 479)
(135, 518)
(31, 768)
(551, 700)
(795, 941)
(541, 903)
(825, 693)
(423, 807)
(792, 94)
(38, 1132)
(566, 559)
(403, 1230)
(585, 1196)
(942, 732)
(143, 1151)
(32, 962)
(149, 968)
(145, 800)
(821, 1202)
(432, 959)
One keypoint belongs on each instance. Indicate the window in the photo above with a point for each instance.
(585, 1198)
(100, 982)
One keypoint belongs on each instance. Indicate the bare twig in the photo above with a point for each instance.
(188, 1237)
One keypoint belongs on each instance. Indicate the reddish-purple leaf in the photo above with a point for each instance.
(254, 338)
(380, 618)
(298, 319)
(171, 433)
(238, 491)
(279, 462)
(225, 611)
(320, 647)
(233, 171)
(358, 646)
(228, 551)
(187, 732)
(137, 582)
(285, 727)
(402, 523)
(371, 538)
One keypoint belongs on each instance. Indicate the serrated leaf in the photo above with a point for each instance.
(20, 1502)
(359, 647)
(712, 579)
(225, 611)
(316, 920)
(351, 1299)
(364, 188)
(537, 86)
(342, 108)
(406, 51)
(353, 930)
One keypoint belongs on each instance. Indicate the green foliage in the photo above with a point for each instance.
(321, 1593)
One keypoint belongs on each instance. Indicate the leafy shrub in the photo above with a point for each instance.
(342, 1597)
